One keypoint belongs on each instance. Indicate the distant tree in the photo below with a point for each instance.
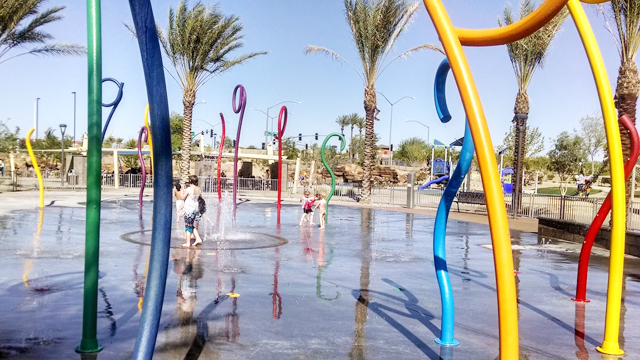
(358, 144)
(566, 157)
(353, 120)
(21, 23)
(413, 150)
(289, 149)
(50, 160)
(534, 145)
(198, 43)
(594, 136)
(8, 138)
(175, 124)
(343, 121)
(130, 161)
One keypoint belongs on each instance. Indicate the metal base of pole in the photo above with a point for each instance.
(88, 346)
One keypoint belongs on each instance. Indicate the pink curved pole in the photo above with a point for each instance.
(220, 157)
(143, 132)
(590, 237)
(242, 104)
(282, 126)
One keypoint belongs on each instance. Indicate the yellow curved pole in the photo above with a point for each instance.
(616, 259)
(501, 239)
(146, 123)
(513, 32)
(35, 166)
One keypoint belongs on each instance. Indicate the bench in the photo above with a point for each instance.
(470, 197)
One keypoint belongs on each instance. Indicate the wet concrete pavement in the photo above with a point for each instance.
(363, 288)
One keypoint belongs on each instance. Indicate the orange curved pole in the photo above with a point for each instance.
(513, 32)
(594, 1)
(500, 236)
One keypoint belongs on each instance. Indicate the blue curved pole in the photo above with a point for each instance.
(142, 136)
(145, 26)
(440, 227)
(113, 105)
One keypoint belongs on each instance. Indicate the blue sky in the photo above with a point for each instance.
(560, 93)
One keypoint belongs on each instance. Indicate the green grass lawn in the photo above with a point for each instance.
(570, 191)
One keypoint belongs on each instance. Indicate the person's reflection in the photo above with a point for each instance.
(232, 319)
(189, 271)
(322, 265)
(306, 236)
(358, 347)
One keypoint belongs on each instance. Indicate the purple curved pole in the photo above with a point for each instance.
(144, 131)
(242, 104)
(220, 157)
(282, 126)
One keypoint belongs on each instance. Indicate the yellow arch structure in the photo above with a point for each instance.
(35, 166)
(146, 123)
(452, 40)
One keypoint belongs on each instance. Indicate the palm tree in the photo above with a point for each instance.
(353, 119)
(198, 43)
(526, 56)
(360, 123)
(375, 26)
(626, 14)
(342, 120)
(21, 24)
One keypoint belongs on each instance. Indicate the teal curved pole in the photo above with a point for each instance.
(343, 143)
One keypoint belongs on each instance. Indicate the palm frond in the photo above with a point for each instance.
(53, 50)
(626, 14)
(311, 49)
(529, 53)
(407, 54)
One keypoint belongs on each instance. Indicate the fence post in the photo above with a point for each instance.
(561, 207)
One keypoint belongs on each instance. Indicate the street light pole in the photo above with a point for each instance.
(63, 127)
(266, 129)
(74, 118)
(391, 121)
(416, 121)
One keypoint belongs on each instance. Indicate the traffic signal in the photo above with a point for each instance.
(391, 147)
(202, 132)
(299, 137)
(316, 136)
(211, 133)
(263, 146)
(233, 143)
(306, 146)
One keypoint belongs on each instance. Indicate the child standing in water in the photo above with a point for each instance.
(179, 201)
(307, 208)
(191, 212)
(322, 205)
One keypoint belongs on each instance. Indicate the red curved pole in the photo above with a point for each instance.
(282, 125)
(220, 158)
(583, 265)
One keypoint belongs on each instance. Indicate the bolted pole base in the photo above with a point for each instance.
(88, 346)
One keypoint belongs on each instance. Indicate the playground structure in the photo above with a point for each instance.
(440, 174)
(476, 136)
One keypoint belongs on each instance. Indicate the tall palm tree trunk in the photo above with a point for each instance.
(351, 144)
(521, 111)
(188, 101)
(370, 110)
(627, 89)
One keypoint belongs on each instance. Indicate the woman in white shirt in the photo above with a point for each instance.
(191, 211)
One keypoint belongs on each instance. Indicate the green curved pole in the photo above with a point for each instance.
(343, 143)
(89, 342)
